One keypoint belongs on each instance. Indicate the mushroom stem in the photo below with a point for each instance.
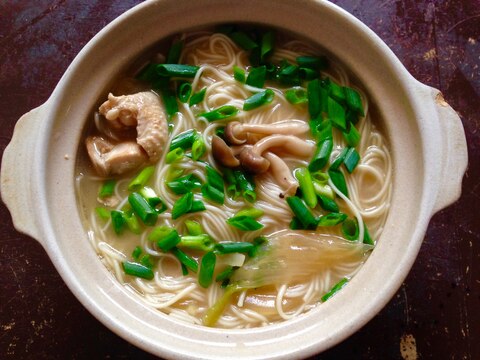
(237, 133)
(282, 174)
(288, 143)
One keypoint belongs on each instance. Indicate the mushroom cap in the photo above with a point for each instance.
(234, 133)
(223, 153)
(253, 162)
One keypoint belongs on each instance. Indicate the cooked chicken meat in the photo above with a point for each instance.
(109, 159)
(143, 111)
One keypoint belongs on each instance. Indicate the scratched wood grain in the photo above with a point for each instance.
(435, 314)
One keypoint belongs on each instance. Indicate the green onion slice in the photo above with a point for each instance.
(107, 189)
(245, 223)
(141, 179)
(207, 267)
(234, 247)
(138, 270)
(197, 97)
(256, 76)
(143, 209)
(186, 260)
(302, 213)
(332, 219)
(337, 287)
(296, 95)
(182, 205)
(177, 70)
(258, 99)
(184, 140)
(220, 113)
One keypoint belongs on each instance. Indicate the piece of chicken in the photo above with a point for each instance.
(110, 159)
(144, 111)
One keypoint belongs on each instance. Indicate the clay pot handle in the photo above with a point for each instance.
(19, 163)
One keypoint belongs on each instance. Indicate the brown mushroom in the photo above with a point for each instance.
(237, 133)
(223, 153)
(252, 160)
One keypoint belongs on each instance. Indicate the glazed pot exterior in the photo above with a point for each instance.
(425, 135)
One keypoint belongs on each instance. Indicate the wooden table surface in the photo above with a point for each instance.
(437, 310)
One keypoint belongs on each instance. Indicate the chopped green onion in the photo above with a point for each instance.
(257, 243)
(184, 140)
(107, 188)
(141, 179)
(306, 186)
(177, 70)
(212, 193)
(296, 224)
(354, 101)
(148, 73)
(245, 223)
(234, 247)
(184, 91)
(243, 40)
(182, 205)
(336, 113)
(174, 156)
(185, 184)
(207, 266)
(169, 100)
(351, 160)
(145, 261)
(367, 239)
(138, 270)
(339, 181)
(337, 92)
(324, 190)
(184, 269)
(214, 178)
(173, 56)
(169, 240)
(186, 260)
(132, 223)
(118, 221)
(220, 113)
(328, 204)
(267, 45)
(337, 287)
(301, 211)
(321, 155)
(153, 199)
(174, 173)
(289, 75)
(350, 229)
(143, 209)
(339, 159)
(313, 92)
(137, 252)
(197, 97)
(103, 213)
(259, 99)
(351, 136)
(239, 74)
(246, 185)
(312, 62)
(307, 74)
(256, 76)
(201, 242)
(331, 219)
(197, 205)
(198, 148)
(193, 227)
(251, 212)
(296, 95)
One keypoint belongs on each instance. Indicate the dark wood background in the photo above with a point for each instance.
(437, 310)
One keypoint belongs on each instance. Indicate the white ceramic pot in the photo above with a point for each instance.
(429, 159)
